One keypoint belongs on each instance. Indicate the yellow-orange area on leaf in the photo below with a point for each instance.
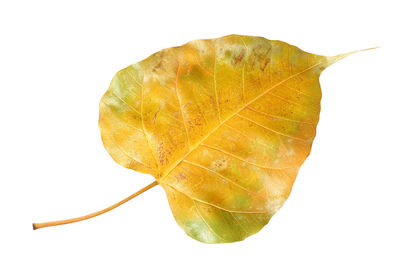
(222, 124)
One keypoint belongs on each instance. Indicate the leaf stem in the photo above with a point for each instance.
(94, 214)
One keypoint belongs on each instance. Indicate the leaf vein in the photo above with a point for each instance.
(271, 130)
(126, 103)
(210, 204)
(278, 117)
(180, 105)
(221, 176)
(242, 159)
(205, 222)
(145, 132)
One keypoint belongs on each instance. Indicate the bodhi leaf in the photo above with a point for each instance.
(222, 124)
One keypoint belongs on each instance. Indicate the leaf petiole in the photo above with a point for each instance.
(94, 214)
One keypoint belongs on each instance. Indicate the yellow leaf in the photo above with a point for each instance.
(222, 124)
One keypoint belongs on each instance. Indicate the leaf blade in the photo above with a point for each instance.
(196, 100)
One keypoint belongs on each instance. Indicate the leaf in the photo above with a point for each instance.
(222, 124)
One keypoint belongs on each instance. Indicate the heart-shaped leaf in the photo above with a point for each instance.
(222, 124)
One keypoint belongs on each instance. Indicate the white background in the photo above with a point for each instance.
(56, 61)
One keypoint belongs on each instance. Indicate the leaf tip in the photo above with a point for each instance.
(336, 58)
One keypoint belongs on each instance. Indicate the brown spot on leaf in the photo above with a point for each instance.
(155, 114)
(158, 66)
(239, 58)
(265, 64)
(219, 164)
(181, 177)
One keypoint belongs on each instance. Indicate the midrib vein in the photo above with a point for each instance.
(195, 146)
